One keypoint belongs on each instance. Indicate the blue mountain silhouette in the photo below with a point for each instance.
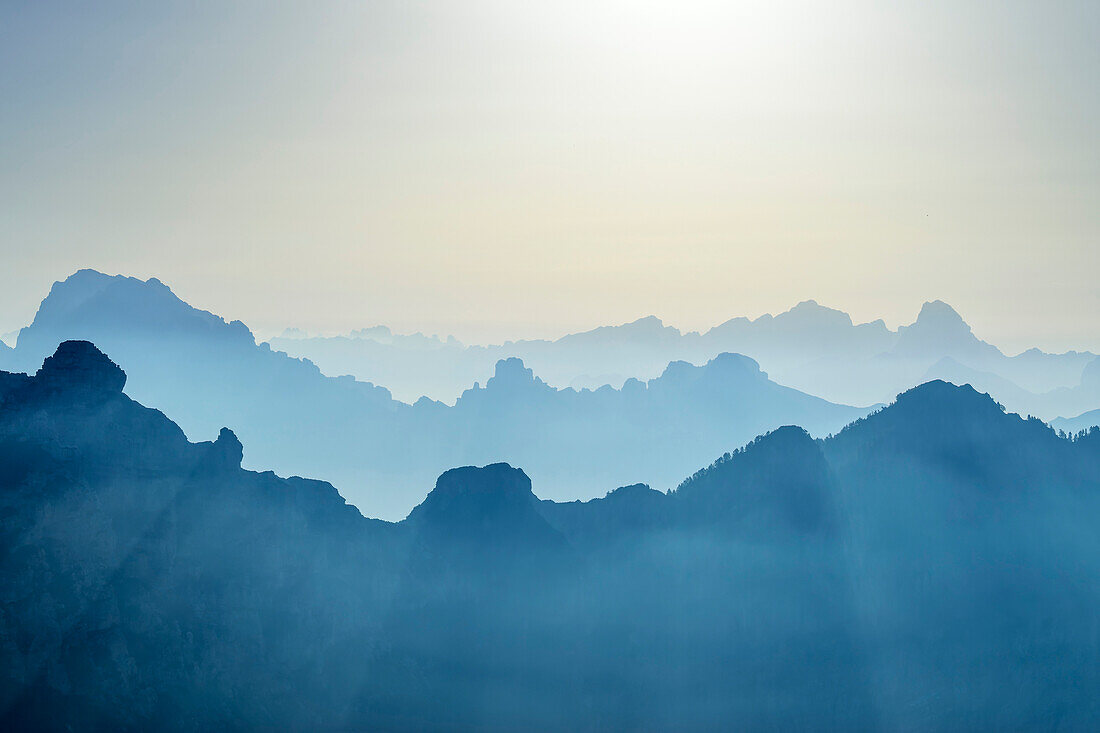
(208, 373)
(886, 577)
(811, 347)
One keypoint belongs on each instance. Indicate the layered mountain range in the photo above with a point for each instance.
(1073, 425)
(294, 419)
(934, 565)
(298, 420)
(812, 348)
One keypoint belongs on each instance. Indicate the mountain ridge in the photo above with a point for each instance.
(817, 349)
(165, 587)
(294, 419)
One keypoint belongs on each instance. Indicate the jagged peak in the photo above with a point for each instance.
(86, 282)
(632, 492)
(732, 361)
(489, 493)
(112, 299)
(806, 314)
(80, 366)
(785, 434)
(939, 330)
(933, 408)
(374, 333)
(512, 371)
(494, 478)
(723, 365)
(939, 390)
(783, 443)
(937, 312)
(228, 449)
(942, 398)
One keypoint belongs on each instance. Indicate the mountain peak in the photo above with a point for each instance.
(729, 362)
(782, 474)
(78, 366)
(648, 322)
(497, 480)
(811, 312)
(228, 449)
(647, 328)
(936, 312)
(511, 371)
(103, 308)
(940, 331)
(727, 367)
(933, 413)
(940, 398)
(491, 507)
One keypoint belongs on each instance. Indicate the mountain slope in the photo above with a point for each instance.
(205, 372)
(142, 572)
(976, 565)
(934, 565)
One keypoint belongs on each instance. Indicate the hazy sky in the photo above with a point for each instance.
(495, 169)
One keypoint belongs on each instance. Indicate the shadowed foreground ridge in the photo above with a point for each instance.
(933, 566)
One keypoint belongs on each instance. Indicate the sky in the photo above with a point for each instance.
(512, 169)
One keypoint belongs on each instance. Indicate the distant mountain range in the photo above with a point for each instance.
(208, 373)
(1057, 401)
(812, 348)
(934, 565)
(1074, 425)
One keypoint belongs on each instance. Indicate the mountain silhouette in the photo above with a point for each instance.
(1074, 425)
(909, 572)
(779, 479)
(491, 509)
(208, 373)
(813, 348)
(657, 430)
(940, 329)
(140, 569)
(1057, 401)
(810, 347)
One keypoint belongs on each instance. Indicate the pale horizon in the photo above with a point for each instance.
(499, 335)
(497, 171)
